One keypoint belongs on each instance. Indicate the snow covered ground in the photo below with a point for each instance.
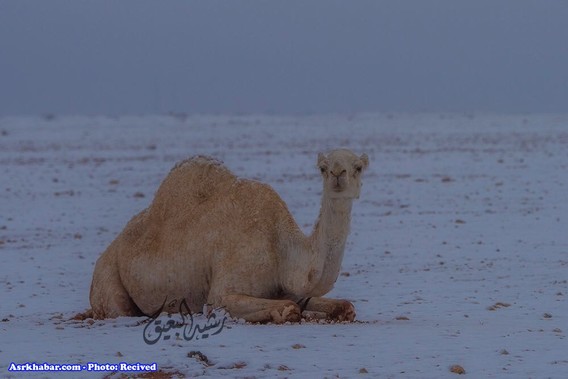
(458, 253)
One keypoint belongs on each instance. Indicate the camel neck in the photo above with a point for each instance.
(329, 237)
(311, 265)
(333, 221)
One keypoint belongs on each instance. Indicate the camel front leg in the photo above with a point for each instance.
(253, 309)
(329, 309)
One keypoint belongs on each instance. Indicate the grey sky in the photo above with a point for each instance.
(144, 57)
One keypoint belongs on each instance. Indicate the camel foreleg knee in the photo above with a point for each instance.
(253, 309)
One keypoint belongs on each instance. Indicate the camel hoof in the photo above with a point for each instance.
(344, 311)
(289, 312)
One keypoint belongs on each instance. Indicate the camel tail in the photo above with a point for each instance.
(82, 316)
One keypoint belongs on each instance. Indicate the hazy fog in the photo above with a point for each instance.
(143, 57)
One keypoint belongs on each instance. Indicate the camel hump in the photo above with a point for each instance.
(191, 182)
(198, 174)
(199, 162)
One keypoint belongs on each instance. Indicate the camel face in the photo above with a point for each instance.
(341, 172)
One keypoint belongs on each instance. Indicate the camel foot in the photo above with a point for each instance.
(290, 312)
(344, 311)
(335, 310)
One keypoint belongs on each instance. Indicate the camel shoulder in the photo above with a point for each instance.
(259, 193)
(262, 202)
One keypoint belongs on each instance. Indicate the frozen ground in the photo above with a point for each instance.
(458, 252)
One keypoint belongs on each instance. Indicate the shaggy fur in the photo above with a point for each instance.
(211, 238)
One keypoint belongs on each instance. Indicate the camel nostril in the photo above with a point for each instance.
(343, 172)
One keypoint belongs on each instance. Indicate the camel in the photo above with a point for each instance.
(211, 238)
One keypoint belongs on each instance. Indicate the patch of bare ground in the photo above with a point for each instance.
(498, 305)
(200, 357)
(457, 369)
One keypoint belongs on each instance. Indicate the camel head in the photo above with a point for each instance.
(341, 171)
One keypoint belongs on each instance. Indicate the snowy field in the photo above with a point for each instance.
(458, 253)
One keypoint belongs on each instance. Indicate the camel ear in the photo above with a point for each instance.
(362, 163)
(365, 160)
(323, 163)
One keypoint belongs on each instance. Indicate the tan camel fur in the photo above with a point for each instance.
(211, 238)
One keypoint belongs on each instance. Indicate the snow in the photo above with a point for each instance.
(458, 252)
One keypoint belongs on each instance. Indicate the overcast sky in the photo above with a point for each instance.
(147, 57)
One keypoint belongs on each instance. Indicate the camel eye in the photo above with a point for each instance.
(323, 170)
(358, 168)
